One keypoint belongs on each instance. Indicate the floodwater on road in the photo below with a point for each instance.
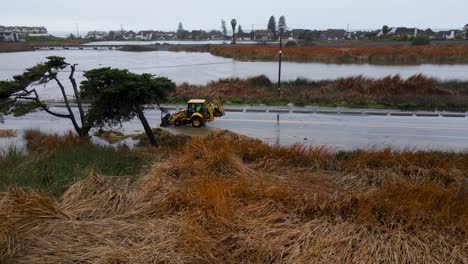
(341, 132)
(200, 68)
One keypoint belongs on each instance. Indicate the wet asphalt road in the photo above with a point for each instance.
(344, 132)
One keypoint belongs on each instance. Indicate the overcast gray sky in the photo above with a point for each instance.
(61, 15)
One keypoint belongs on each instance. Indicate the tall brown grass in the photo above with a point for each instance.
(5, 133)
(229, 198)
(438, 54)
(417, 92)
(38, 141)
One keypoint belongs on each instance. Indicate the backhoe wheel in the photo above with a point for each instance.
(197, 122)
(177, 123)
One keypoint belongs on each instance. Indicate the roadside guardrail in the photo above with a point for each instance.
(311, 110)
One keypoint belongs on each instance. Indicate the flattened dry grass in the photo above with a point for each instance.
(231, 199)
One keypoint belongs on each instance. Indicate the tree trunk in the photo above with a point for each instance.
(84, 132)
(67, 104)
(147, 127)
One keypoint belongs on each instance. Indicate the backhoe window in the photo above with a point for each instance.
(190, 110)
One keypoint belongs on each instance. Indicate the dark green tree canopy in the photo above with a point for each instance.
(240, 30)
(282, 24)
(233, 25)
(385, 29)
(117, 95)
(223, 27)
(17, 92)
(41, 73)
(20, 96)
(272, 25)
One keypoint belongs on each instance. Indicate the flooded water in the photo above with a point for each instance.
(171, 42)
(200, 68)
(342, 132)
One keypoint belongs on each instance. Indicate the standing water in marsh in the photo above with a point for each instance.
(200, 68)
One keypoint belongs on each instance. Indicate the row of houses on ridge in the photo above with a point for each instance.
(18, 33)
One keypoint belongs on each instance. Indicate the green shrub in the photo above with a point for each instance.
(234, 100)
(259, 81)
(291, 43)
(421, 40)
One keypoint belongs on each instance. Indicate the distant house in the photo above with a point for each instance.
(292, 34)
(96, 35)
(334, 34)
(10, 36)
(244, 36)
(129, 35)
(215, 35)
(354, 35)
(403, 31)
(263, 34)
(407, 32)
(448, 34)
(295, 33)
(428, 32)
(116, 34)
(199, 34)
(25, 30)
(162, 35)
(145, 35)
(17, 33)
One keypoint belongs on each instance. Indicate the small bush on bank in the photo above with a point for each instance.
(420, 41)
(291, 43)
(259, 81)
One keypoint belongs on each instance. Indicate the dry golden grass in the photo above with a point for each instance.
(5, 133)
(231, 199)
(111, 136)
(38, 141)
(415, 92)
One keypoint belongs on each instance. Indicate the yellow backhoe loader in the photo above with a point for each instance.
(198, 112)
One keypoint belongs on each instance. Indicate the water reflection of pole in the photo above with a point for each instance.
(77, 32)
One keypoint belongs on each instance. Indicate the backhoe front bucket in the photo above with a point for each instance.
(165, 120)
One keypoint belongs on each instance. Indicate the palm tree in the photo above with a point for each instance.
(233, 25)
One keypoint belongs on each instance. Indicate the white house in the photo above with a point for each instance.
(145, 35)
(449, 34)
(129, 35)
(12, 36)
(96, 35)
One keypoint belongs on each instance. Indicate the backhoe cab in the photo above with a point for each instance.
(198, 112)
